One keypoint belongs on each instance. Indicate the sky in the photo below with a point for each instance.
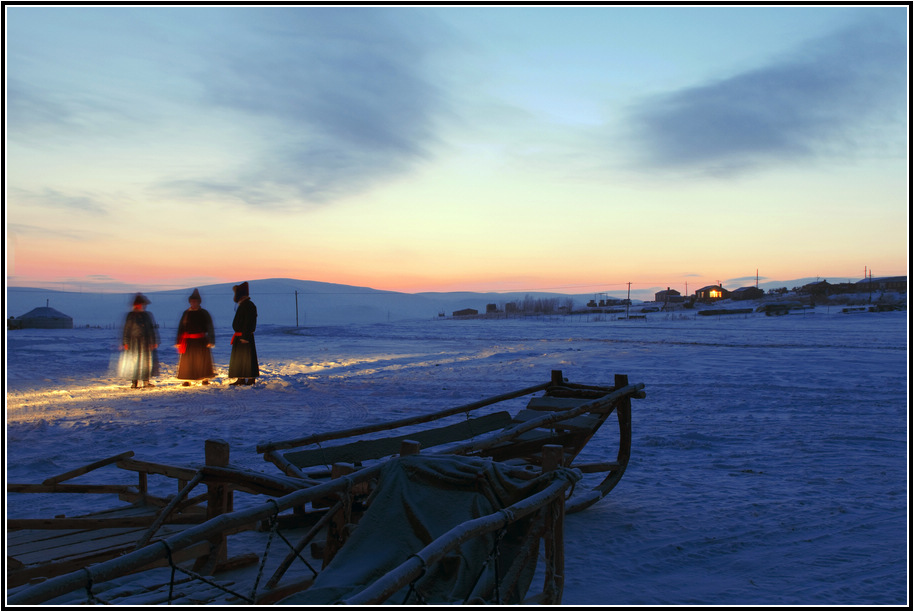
(455, 148)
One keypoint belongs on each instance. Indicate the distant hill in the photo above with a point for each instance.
(318, 303)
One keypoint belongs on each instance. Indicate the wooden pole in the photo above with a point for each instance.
(165, 512)
(86, 468)
(336, 528)
(219, 497)
(553, 583)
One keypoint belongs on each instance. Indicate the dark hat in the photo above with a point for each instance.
(195, 296)
(240, 290)
(140, 299)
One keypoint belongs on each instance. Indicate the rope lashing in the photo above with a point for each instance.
(493, 557)
(195, 576)
(274, 525)
(91, 598)
(420, 599)
(297, 553)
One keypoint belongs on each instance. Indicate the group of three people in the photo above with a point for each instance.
(196, 337)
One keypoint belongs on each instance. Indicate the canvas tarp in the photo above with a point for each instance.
(418, 499)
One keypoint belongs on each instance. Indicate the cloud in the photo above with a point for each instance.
(51, 198)
(16, 230)
(338, 95)
(830, 97)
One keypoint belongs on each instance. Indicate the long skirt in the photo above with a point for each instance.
(197, 361)
(243, 361)
(139, 362)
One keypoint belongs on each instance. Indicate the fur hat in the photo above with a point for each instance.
(140, 299)
(240, 291)
(195, 296)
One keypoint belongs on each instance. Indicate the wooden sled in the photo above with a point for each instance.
(567, 414)
(115, 581)
(318, 501)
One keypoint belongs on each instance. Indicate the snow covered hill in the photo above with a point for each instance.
(318, 303)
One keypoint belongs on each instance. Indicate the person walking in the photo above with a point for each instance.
(196, 337)
(243, 360)
(139, 341)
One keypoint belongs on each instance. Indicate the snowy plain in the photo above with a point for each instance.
(769, 463)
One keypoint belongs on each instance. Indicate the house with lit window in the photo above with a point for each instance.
(712, 293)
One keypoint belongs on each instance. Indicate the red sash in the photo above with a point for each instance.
(182, 345)
(237, 334)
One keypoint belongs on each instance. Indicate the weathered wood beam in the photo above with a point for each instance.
(86, 468)
(270, 446)
(68, 488)
(98, 523)
(148, 467)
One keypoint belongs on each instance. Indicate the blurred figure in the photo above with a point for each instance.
(139, 342)
(243, 361)
(195, 339)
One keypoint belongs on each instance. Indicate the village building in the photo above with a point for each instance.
(712, 293)
(885, 283)
(466, 312)
(747, 293)
(817, 288)
(668, 296)
(43, 317)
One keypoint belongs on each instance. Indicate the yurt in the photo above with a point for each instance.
(44, 317)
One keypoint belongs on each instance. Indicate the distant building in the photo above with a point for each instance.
(885, 283)
(818, 288)
(668, 296)
(466, 312)
(43, 317)
(712, 293)
(747, 293)
(491, 308)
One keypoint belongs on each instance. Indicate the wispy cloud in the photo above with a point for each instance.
(52, 198)
(339, 94)
(17, 230)
(829, 97)
(741, 279)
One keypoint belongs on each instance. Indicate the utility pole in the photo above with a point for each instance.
(628, 299)
(296, 308)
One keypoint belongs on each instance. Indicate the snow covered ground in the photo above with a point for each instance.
(769, 462)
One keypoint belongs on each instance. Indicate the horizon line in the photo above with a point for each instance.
(101, 288)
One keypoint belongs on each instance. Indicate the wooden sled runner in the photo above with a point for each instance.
(567, 414)
(324, 508)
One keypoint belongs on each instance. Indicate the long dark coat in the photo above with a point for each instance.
(243, 361)
(140, 360)
(196, 362)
